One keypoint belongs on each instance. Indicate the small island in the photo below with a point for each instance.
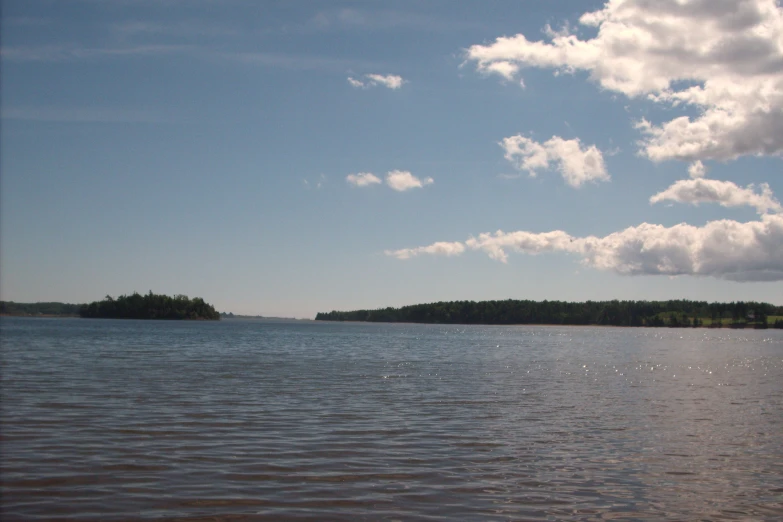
(150, 306)
(674, 313)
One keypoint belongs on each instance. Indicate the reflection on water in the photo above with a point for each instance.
(243, 420)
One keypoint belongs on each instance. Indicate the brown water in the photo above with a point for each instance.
(245, 420)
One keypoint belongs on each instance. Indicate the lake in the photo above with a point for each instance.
(252, 420)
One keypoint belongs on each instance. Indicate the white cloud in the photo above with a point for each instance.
(390, 81)
(441, 248)
(575, 163)
(722, 249)
(697, 170)
(495, 245)
(402, 180)
(362, 179)
(726, 193)
(356, 83)
(505, 69)
(399, 180)
(723, 58)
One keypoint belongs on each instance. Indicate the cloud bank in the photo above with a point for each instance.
(722, 249)
(723, 58)
(577, 164)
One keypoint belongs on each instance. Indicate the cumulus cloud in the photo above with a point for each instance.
(697, 170)
(724, 58)
(402, 180)
(441, 248)
(362, 179)
(505, 69)
(495, 245)
(391, 81)
(577, 164)
(725, 193)
(399, 180)
(722, 249)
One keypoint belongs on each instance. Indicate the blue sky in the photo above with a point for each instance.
(284, 158)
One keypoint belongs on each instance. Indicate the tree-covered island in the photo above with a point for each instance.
(675, 313)
(150, 306)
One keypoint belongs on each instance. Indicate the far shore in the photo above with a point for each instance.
(551, 325)
(44, 316)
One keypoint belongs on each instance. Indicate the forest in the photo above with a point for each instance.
(38, 309)
(675, 313)
(150, 306)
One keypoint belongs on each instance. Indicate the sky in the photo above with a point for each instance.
(282, 158)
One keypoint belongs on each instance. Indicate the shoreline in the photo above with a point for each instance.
(700, 327)
(43, 316)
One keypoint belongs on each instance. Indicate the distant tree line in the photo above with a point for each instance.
(63, 309)
(149, 306)
(674, 313)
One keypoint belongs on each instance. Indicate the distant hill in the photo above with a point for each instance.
(39, 309)
(610, 313)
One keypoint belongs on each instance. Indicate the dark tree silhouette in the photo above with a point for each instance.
(150, 306)
(615, 313)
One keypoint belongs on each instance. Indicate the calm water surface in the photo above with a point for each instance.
(247, 420)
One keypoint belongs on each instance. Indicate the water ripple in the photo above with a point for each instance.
(246, 420)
